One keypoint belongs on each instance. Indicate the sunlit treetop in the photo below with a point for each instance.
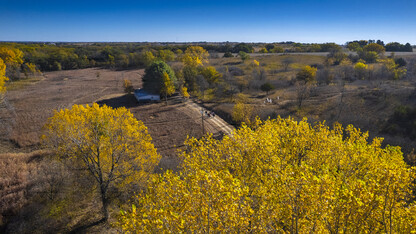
(281, 175)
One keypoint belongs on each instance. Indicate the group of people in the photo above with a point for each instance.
(269, 100)
(210, 113)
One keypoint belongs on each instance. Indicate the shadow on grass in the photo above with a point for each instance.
(127, 101)
(83, 228)
(233, 63)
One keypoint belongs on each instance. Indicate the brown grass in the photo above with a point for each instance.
(34, 103)
(18, 175)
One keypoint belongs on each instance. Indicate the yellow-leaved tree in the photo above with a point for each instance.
(184, 92)
(360, 69)
(11, 56)
(3, 78)
(281, 176)
(396, 72)
(195, 56)
(167, 88)
(307, 74)
(211, 75)
(243, 113)
(113, 146)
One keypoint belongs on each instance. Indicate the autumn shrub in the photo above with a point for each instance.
(281, 176)
(228, 55)
(128, 87)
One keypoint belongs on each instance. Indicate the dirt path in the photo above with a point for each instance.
(214, 125)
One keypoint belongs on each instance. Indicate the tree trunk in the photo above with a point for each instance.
(104, 202)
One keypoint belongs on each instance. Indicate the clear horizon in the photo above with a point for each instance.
(303, 21)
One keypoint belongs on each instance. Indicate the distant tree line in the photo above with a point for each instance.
(64, 56)
(392, 46)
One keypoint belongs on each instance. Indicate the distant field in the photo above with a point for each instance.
(35, 102)
(320, 53)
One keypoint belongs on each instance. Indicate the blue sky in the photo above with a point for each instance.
(187, 21)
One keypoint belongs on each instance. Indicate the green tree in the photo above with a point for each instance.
(400, 62)
(277, 49)
(247, 48)
(354, 46)
(266, 87)
(243, 55)
(270, 47)
(110, 144)
(153, 78)
(408, 48)
(190, 74)
(228, 55)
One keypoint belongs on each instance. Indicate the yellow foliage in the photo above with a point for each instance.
(394, 69)
(3, 77)
(184, 92)
(242, 113)
(307, 74)
(30, 68)
(263, 50)
(11, 55)
(128, 87)
(360, 69)
(360, 66)
(211, 74)
(241, 98)
(114, 146)
(256, 63)
(282, 176)
(194, 202)
(148, 58)
(195, 56)
(167, 88)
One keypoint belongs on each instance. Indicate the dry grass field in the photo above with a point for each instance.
(33, 104)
